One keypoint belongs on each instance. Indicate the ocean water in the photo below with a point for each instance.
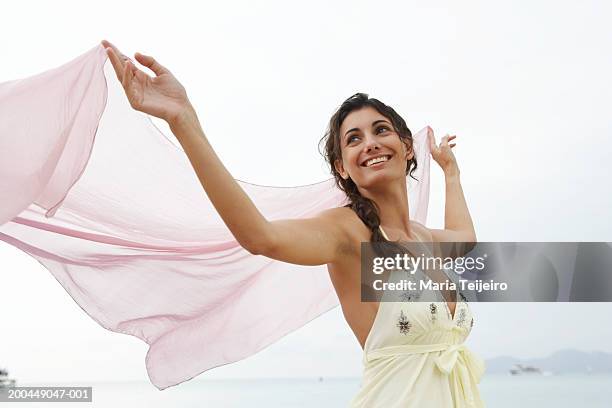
(498, 391)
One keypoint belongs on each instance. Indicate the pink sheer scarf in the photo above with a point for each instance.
(113, 209)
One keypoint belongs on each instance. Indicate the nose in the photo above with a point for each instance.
(371, 144)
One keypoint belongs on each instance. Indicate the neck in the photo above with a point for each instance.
(393, 207)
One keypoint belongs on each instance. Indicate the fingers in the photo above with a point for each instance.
(126, 80)
(432, 140)
(108, 44)
(116, 57)
(116, 63)
(446, 139)
(151, 63)
(123, 66)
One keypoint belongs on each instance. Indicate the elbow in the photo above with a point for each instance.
(255, 246)
(470, 241)
(468, 234)
(258, 240)
(251, 248)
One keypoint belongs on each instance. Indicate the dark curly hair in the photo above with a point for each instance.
(365, 208)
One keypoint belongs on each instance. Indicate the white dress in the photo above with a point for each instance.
(414, 356)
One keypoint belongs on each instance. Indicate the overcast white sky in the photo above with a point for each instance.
(526, 88)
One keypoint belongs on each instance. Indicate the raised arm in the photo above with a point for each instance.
(312, 241)
(458, 225)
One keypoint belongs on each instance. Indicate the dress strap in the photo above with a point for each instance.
(383, 232)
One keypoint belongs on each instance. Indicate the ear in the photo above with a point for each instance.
(340, 169)
(408, 150)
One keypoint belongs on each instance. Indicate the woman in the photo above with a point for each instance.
(413, 352)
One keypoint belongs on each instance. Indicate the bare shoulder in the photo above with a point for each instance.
(351, 226)
(336, 213)
(346, 219)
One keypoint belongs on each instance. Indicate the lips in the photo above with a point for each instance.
(365, 162)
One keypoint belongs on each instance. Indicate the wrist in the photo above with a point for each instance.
(451, 173)
(182, 117)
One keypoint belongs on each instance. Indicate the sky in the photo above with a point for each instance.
(524, 86)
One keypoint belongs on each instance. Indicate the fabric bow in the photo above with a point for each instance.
(468, 369)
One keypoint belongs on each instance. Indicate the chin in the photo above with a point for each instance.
(382, 177)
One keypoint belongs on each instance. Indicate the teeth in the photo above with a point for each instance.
(376, 160)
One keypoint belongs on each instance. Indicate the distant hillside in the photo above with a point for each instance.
(568, 361)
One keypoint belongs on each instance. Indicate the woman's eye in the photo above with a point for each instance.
(382, 129)
(350, 138)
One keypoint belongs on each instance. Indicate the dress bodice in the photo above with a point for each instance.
(415, 356)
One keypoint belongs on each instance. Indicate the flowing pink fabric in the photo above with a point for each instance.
(113, 209)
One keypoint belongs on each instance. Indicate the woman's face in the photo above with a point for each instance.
(365, 135)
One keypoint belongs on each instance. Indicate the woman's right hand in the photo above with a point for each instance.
(162, 96)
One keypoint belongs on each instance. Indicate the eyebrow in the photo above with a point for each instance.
(376, 122)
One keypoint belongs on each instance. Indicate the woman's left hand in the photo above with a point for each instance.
(442, 153)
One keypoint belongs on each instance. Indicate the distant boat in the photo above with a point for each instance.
(6, 382)
(520, 369)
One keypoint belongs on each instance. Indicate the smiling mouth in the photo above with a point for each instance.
(376, 160)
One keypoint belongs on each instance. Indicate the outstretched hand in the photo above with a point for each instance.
(162, 96)
(442, 153)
